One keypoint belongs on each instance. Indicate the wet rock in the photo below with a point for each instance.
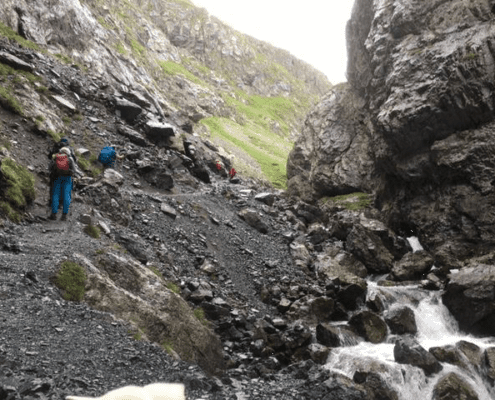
(453, 387)
(470, 297)
(401, 320)
(370, 326)
(450, 354)
(352, 291)
(318, 353)
(328, 335)
(489, 362)
(376, 386)
(412, 266)
(408, 351)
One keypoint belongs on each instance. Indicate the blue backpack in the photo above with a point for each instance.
(107, 156)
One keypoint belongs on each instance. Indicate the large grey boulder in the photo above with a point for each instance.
(370, 326)
(401, 320)
(129, 290)
(408, 351)
(412, 266)
(470, 297)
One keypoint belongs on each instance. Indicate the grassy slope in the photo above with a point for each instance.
(258, 132)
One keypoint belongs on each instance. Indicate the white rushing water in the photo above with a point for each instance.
(436, 328)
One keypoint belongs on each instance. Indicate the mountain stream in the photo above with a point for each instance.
(436, 327)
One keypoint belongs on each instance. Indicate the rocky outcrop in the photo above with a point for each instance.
(133, 292)
(470, 297)
(413, 125)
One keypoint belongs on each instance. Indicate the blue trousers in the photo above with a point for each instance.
(62, 185)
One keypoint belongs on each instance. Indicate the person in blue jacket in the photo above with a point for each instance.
(62, 168)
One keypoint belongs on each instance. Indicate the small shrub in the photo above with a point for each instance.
(71, 279)
(66, 120)
(156, 271)
(100, 251)
(354, 201)
(92, 231)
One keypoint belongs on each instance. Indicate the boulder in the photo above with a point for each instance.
(463, 354)
(376, 386)
(352, 291)
(408, 351)
(453, 387)
(470, 297)
(318, 353)
(369, 326)
(265, 197)
(368, 248)
(134, 245)
(132, 135)
(254, 219)
(127, 110)
(401, 320)
(334, 262)
(412, 266)
(159, 133)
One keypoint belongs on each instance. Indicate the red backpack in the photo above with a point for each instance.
(61, 165)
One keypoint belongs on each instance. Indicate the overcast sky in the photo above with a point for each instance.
(311, 30)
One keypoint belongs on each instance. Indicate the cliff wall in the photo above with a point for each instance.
(414, 123)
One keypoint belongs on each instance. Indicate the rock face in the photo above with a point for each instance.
(413, 124)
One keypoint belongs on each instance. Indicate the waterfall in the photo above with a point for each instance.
(436, 327)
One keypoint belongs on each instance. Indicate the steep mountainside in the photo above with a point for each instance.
(200, 74)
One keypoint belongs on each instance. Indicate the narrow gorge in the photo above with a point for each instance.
(352, 257)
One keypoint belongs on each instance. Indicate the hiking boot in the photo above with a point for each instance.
(53, 217)
(64, 217)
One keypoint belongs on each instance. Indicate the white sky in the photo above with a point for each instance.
(311, 30)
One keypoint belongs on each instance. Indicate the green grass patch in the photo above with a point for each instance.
(268, 150)
(137, 47)
(64, 58)
(92, 231)
(10, 34)
(56, 136)
(173, 287)
(71, 279)
(8, 101)
(199, 313)
(172, 68)
(11, 214)
(20, 183)
(67, 120)
(156, 271)
(353, 201)
(168, 346)
(120, 48)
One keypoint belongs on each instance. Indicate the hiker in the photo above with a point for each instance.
(108, 156)
(62, 169)
(232, 173)
(219, 166)
(64, 142)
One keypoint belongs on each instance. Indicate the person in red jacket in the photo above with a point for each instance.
(232, 173)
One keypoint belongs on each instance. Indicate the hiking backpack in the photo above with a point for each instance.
(107, 156)
(61, 164)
